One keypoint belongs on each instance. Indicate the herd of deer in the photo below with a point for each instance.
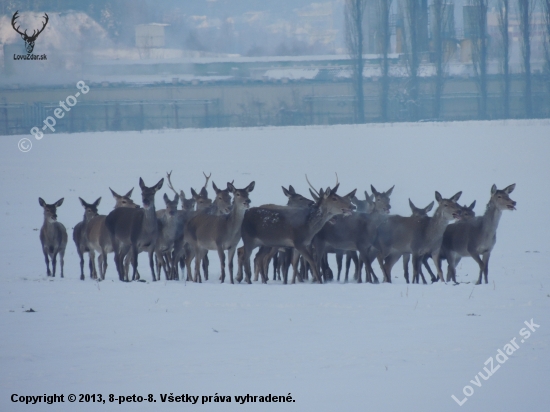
(302, 231)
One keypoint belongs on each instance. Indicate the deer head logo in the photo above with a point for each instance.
(29, 40)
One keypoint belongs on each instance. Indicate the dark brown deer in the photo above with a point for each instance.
(416, 235)
(98, 237)
(168, 227)
(206, 232)
(79, 235)
(477, 238)
(291, 227)
(29, 40)
(265, 254)
(53, 236)
(135, 230)
(355, 233)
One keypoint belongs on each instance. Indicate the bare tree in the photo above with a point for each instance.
(414, 29)
(442, 27)
(479, 51)
(502, 15)
(384, 8)
(546, 19)
(354, 11)
(525, 9)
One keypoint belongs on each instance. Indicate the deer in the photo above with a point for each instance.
(292, 227)
(98, 237)
(362, 206)
(476, 238)
(29, 40)
(168, 228)
(53, 236)
(220, 205)
(416, 235)
(134, 231)
(356, 232)
(79, 235)
(265, 254)
(206, 232)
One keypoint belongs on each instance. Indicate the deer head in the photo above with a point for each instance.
(29, 40)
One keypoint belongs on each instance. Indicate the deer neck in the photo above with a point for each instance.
(150, 218)
(436, 225)
(235, 217)
(317, 217)
(490, 219)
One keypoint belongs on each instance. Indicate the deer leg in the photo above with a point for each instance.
(371, 255)
(257, 260)
(240, 263)
(103, 267)
(54, 263)
(91, 257)
(230, 255)
(135, 254)
(406, 260)
(295, 270)
(425, 259)
(486, 257)
(276, 267)
(309, 259)
(199, 255)
(339, 259)
(452, 262)
(81, 256)
(221, 254)
(62, 262)
(388, 265)
(246, 261)
(158, 259)
(49, 273)
(205, 263)
(481, 265)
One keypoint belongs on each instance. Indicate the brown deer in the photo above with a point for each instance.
(355, 233)
(265, 254)
(53, 236)
(168, 227)
(135, 230)
(79, 235)
(416, 235)
(206, 232)
(476, 238)
(291, 227)
(98, 237)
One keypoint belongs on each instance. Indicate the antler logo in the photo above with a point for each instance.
(29, 40)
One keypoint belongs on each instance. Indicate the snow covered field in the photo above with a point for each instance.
(333, 347)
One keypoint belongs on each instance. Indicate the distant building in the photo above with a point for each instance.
(150, 35)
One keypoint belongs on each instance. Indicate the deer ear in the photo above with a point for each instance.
(166, 198)
(430, 207)
(176, 198)
(471, 207)
(373, 190)
(215, 187)
(250, 187)
(115, 194)
(231, 187)
(493, 189)
(96, 203)
(351, 194)
(158, 186)
(182, 195)
(412, 206)
(456, 196)
(59, 202)
(291, 190)
(141, 184)
(355, 200)
(129, 194)
(82, 202)
(388, 193)
(286, 192)
(204, 192)
(314, 195)
(438, 196)
(333, 191)
(193, 193)
(510, 188)
(41, 202)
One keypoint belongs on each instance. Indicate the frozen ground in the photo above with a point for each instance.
(344, 347)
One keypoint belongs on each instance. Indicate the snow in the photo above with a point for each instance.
(335, 346)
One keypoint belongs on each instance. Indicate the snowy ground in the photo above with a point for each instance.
(345, 347)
